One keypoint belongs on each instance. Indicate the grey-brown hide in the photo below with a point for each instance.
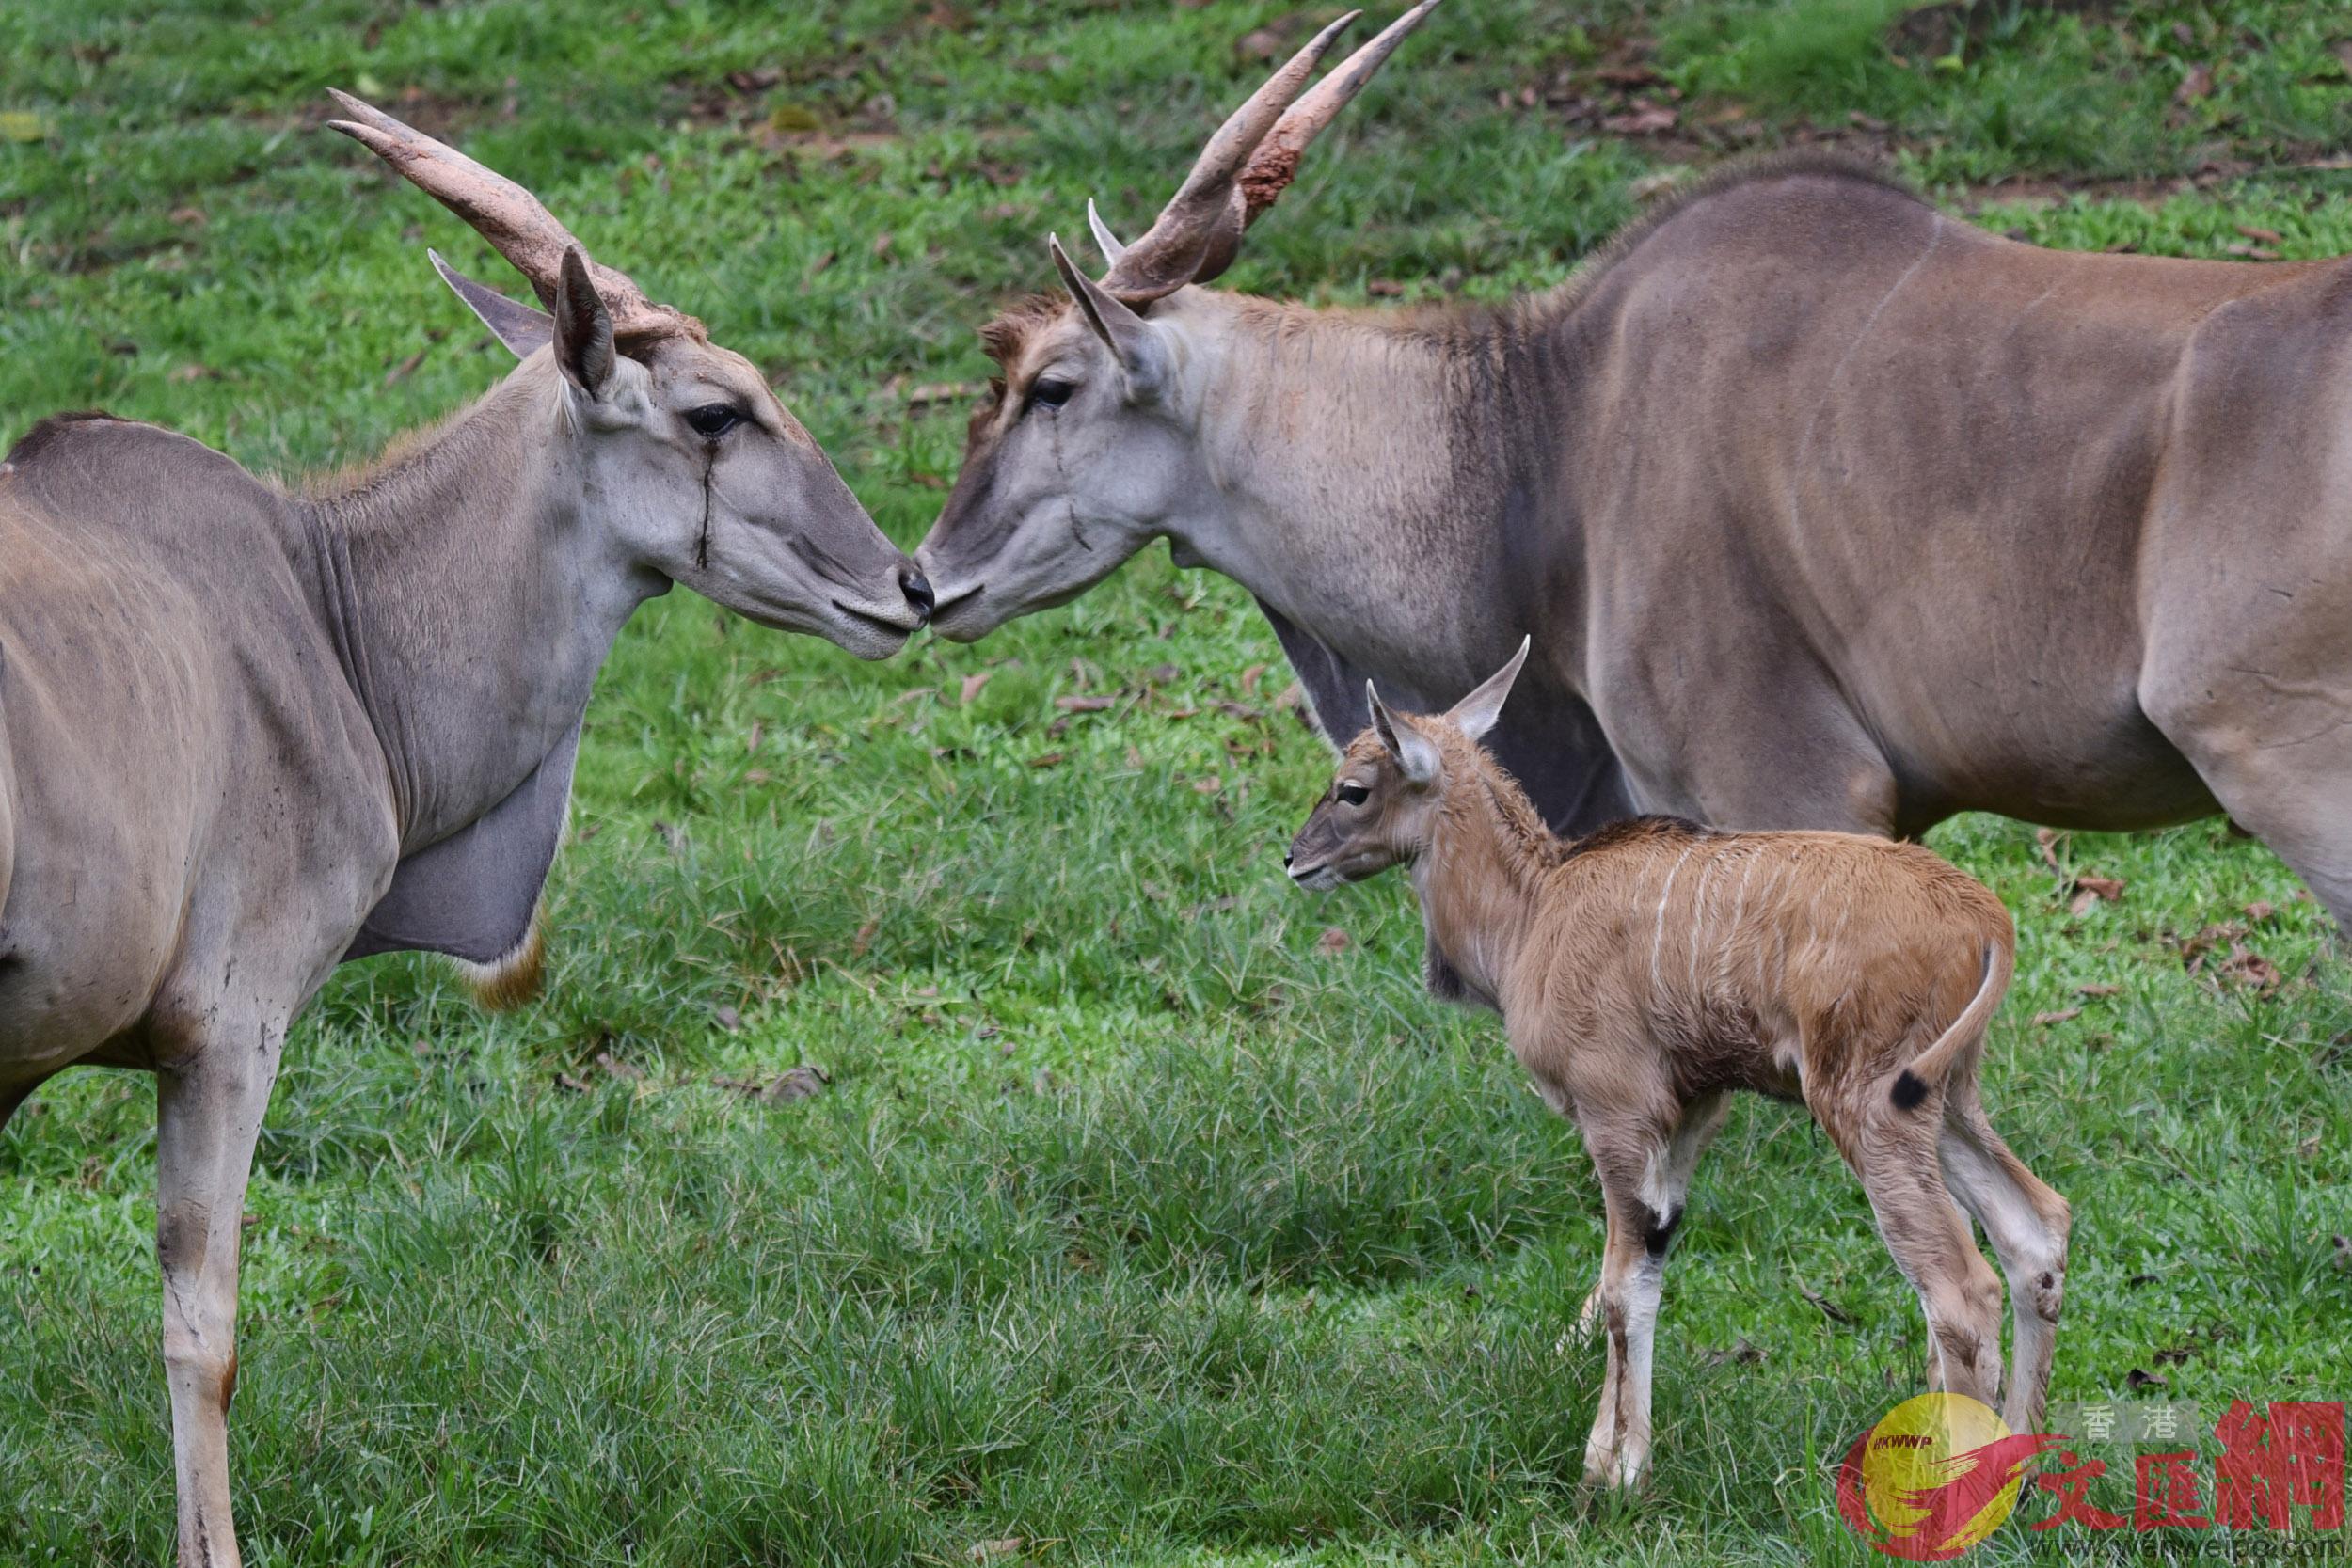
(246, 733)
(1824, 510)
(1646, 970)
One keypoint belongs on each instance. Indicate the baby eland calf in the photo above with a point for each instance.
(1645, 972)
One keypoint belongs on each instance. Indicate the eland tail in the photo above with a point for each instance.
(1928, 1069)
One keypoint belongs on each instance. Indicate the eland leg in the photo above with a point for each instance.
(2028, 1223)
(1928, 1233)
(209, 1103)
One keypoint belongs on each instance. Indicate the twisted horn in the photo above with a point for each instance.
(510, 217)
(1172, 250)
(1276, 161)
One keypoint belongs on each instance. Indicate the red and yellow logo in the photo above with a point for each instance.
(1936, 1475)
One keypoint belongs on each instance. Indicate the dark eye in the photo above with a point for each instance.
(713, 419)
(1354, 794)
(1051, 393)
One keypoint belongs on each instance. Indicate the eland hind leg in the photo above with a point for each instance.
(1895, 1153)
(2029, 1224)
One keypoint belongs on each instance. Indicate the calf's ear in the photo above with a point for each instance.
(1416, 753)
(1475, 714)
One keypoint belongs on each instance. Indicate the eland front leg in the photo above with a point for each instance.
(209, 1105)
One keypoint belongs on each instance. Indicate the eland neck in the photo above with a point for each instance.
(1381, 477)
(1482, 877)
(469, 602)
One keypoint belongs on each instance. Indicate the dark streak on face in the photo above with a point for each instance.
(1062, 472)
(702, 540)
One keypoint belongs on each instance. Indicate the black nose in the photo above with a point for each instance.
(917, 588)
(1286, 860)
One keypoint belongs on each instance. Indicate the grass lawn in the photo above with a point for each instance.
(1153, 1213)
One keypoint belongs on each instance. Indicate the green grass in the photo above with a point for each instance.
(1136, 1225)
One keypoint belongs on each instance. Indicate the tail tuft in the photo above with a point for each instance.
(1909, 1091)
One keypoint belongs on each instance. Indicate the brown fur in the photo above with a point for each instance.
(1646, 970)
(514, 979)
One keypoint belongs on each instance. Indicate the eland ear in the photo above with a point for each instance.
(583, 328)
(521, 329)
(1475, 714)
(1127, 335)
(1415, 753)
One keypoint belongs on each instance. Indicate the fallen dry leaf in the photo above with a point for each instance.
(2221, 934)
(1333, 941)
(2260, 234)
(1051, 759)
(932, 392)
(974, 684)
(406, 368)
(2249, 968)
(2045, 839)
(618, 1068)
(2101, 988)
(800, 1083)
(1644, 119)
(2139, 1377)
(728, 1019)
(987, 1551)
(1084, 705)
(569, 1084)
(1829, 1308)
(1262, 45)
(1208, 783)
(2258, 912)
(2043, 1021)
(2108, 888)
(865, 939)
(1251, 677)
(2196, 85)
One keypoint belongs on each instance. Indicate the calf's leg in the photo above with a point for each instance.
(209, 1104)
(1931, 1243)
(1670, 1189)
(2028, 1223)
(1644, 1178)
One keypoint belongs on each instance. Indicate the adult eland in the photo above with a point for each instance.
(246, 734)
(1823, 509)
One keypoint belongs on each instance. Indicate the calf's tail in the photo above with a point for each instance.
(1927, 1070)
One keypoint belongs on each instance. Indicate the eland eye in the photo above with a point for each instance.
(1353, 795)
(1051, 392)
(713, 419)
